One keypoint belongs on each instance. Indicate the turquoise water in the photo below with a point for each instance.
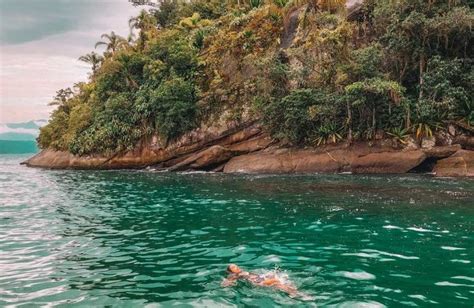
(134, 238)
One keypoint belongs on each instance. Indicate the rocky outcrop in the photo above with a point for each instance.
(442, 151)
(245, 148)
(388, 163)
(467, 142)
(193, 149)
(460, 164)
(205, 159)
(286, 161)
(356, 159)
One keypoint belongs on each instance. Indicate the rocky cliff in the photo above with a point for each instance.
(245, 148)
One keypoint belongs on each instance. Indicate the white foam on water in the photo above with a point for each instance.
(423, 298)
(392, 227)
(370, 304)
(361, 255)
(464, 278)
(272, 259)
(452, 248)
(400, 275)
(357, 275)
(384, 253)
(452, 284)
(460, 261)
(420, 229)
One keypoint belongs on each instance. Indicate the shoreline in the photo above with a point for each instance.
(359, 158)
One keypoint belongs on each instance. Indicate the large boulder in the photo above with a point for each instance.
(442, 151)
(205, 159)
(285, 161)
(461, 164)
(252, 145)
(356, 159)
(467, 142)
(388, 162)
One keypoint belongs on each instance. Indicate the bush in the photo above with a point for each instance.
(175, 107)
(298, 115)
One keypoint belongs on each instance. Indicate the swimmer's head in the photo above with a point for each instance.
(234, 269)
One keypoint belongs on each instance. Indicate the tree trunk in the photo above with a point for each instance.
(421, 71)
(373, 122)
(349, 122)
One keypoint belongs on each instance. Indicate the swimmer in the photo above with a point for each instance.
(264, 280)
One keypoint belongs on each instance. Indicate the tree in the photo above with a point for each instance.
(112, 42)
(62, 96)
(94, 59)
(144, 23)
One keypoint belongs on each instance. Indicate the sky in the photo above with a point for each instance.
(40, 42)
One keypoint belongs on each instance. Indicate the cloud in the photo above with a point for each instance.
(41, 41)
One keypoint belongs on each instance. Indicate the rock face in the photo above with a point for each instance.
(356, 159)
(460, 164)
(388, 163)
(246, 149)
(203, 160)
(291, 161)
(467, 142)
(443, 151)
(243, 138)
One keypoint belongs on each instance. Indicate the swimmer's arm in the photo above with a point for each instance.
(288, 289)
(229, 281)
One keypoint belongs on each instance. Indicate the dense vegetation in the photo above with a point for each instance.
(391, 67)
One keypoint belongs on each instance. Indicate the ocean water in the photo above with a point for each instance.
(138, 238)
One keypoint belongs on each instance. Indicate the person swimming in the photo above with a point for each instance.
(263, 280)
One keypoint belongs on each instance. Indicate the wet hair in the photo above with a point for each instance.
(229, 268)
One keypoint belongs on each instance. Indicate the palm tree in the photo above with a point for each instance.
(92, 58)
(113, 42)
(144, 23)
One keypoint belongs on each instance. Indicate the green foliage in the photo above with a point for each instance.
(281, 3)
(173, 106)
(399, 134)
(176, 52)
(298, 116)
(167, 13)
(327, 133)
(255, 3)
(199, 37)
(448, 89)
(399, 67)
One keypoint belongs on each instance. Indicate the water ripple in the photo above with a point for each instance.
(127, 238)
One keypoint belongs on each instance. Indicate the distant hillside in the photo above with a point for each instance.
(18, 147)
(18, 138)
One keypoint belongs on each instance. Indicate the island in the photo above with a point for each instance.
(280, 86)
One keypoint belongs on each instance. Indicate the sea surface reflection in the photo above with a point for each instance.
(132, 238)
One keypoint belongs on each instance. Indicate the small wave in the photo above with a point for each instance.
(452, 248)
(384, 253)
(272, 259)
(357, 275)
(392, 227)
(463, 278)
(420, 229)
(370, 304)
(452, 284)
(460, 261)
